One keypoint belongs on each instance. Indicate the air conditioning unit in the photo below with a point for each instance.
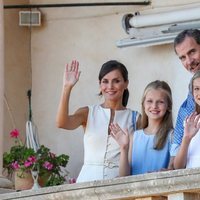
(29, 18)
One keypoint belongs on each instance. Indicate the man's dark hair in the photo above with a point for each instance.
(194, 33)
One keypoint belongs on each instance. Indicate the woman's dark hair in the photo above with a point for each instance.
(193, 33)
(111, 66)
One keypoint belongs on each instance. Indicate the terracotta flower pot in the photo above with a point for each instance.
(23, 180)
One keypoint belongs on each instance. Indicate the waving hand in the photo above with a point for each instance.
(71, 74)
(122, 137)
(192, 125)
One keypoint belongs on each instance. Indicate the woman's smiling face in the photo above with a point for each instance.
(196, 90)
(113, 85)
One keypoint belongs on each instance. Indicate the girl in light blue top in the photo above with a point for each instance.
(147, 150)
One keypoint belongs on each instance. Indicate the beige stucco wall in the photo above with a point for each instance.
(89, 35)
(17, 72)
(2, 82)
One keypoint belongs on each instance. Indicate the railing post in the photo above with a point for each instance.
(5, 184)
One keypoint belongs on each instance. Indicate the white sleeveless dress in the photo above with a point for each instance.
(193, 156)
(101, 151)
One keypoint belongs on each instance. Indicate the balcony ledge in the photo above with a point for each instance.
(161, 185)
(5, 185)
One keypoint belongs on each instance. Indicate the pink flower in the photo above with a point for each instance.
(27, 163)
(48, 165)
(32, 159)
(15, 165)
(72, 180)
(14, 133)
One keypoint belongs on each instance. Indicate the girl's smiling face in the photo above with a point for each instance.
(155, 104)
(196, 90)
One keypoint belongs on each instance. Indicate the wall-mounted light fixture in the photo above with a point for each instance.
(160, 28)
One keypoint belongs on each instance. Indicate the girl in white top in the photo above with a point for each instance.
(189, 153)
(101, 151)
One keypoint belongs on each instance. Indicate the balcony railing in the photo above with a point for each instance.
(172, 185)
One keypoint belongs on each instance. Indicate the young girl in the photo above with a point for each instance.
(149, 148)
(101, 151)
(189, 153)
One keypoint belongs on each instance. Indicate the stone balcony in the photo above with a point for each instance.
(171, 185)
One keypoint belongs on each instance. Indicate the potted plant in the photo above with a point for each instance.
(23, 160)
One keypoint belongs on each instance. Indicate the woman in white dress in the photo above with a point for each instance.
(188, 155)
(101, 151)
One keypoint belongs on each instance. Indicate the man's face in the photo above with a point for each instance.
(189, 53)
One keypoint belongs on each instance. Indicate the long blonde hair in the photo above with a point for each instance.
(166, 124)
(195, 76)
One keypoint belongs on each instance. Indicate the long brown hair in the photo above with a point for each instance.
(166, 124)
(195, 76)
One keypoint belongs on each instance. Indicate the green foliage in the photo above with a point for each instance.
(24, 159)
(18, 155)
(52, 171)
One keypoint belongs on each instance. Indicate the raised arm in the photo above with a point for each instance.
(192, 126)
(63, 119)
(122, 138)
